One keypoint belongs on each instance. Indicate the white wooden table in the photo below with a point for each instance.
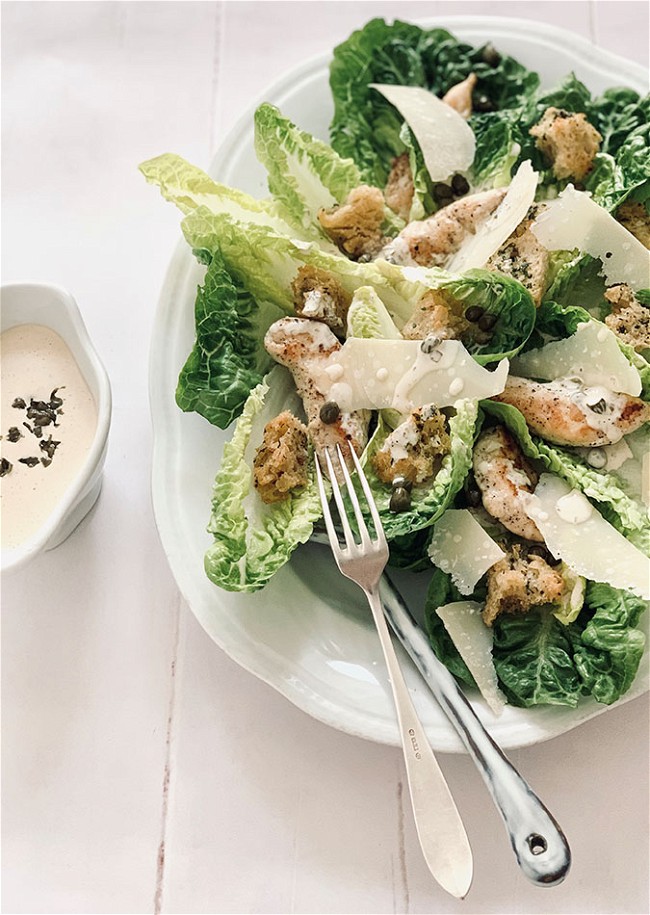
(143, 771)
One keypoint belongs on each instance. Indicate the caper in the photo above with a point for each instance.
(597, 458)
(483, 103)
(459, 185)
(474, 313)
(401, 482)
(429, 345)
(487, 321)
(400, 500)
(442, 192)
(330, 412)
(491, 56)
(473, 497)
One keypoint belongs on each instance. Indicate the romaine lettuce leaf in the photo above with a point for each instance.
(253, 540)
(304, 173)
(189, 188)
(228, 358)
(365, 126)
(368, 317)
(431, 499)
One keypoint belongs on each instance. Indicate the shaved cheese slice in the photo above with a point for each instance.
(375, 374)
(462, 549)
(446, 140)
(591, 354)
(479, 248)
(576, 533)
(473, 640)
(574, 220)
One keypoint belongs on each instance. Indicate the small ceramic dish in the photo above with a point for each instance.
(54, 308)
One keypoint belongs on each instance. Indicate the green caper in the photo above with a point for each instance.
(401, 482)
(442, 192)
(330, 412)
(491, 56)
(459, 185)
(400, 500)
(487, 321)
(474, 313)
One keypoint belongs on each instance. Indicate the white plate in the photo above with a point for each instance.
(309, 633)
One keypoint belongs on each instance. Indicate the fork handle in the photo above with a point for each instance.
(539, 844)
(438, 823)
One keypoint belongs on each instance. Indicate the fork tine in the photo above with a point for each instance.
(327, 515)
(379, 528)
(336, 489)
(361, 521)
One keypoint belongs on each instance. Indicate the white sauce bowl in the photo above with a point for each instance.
(54, 307)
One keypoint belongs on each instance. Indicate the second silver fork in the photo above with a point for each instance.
(442, 836)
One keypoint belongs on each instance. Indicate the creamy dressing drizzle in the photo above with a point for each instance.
(601, 407)
(35, 360)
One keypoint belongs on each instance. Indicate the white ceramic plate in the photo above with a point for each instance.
(309, 633)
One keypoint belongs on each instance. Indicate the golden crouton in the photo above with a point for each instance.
(280, 463)
(636, 220)
(629, 320)
(318, 295)
(355, 226)
(414, 449)
(520, 581)
(568, 140)
(399, 188)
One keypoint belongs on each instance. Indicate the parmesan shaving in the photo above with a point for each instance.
(473, 640)
(462, 549)
(446, 140)
(399, 374)
(479, 248)
(592, 354)
(574, 220)
(581, 537)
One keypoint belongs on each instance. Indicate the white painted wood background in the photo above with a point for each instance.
(143, 771)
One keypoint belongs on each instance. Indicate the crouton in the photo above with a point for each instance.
(519, 582)
(318, 295)
(399, 188)
(414, 449)
(280, 463)
(629, 320)
(636, 220)
(568, 140)
(355, 226)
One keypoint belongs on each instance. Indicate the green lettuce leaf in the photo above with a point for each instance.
(442, 591)
(253, 540)
(368, 317)
(606, 488)
(189, 188)
(228, 358)
(266, 262)
(432, 498)
(609, 649)
(304, 173)
(365, 126)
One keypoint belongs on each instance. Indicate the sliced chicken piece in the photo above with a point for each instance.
(302, 345)
(502, 474)
(399, 188)
(459, 97)
(568, 141)
(524, 259)
(430, 242)
(566, 412)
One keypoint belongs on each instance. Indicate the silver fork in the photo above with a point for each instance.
(442, 836)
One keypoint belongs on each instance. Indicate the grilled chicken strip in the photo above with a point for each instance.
(502, 474)
(301, 345)
(524, 259)
(429, 242)
(566, 412)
